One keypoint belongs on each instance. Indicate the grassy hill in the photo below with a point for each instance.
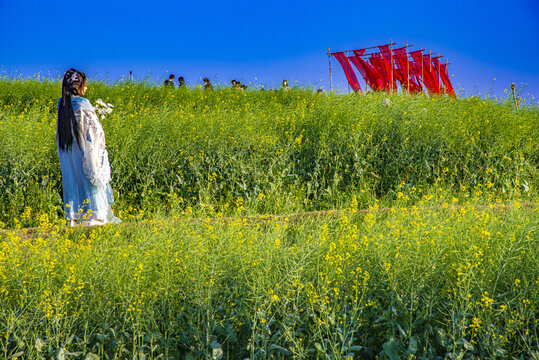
(271, 152)
(270, 225)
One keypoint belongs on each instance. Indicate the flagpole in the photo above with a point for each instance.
(372, 47)
(422, 76)
(421, 82)
(439, 77)
(430, 62)
(407, 72)
(446, 63)
(391, 57)
(347, 75)
(330, 78)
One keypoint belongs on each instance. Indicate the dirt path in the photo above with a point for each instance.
(258, 218)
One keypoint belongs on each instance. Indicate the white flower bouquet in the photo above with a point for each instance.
(102, 108)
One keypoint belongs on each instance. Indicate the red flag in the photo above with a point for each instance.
(381, 70)
(447, 82)
(361, 69)
(424, 68)
(385, 50)
(437, 73)
(435, 84)
(376, 78)
(405, 71)
(348, 70)
(415, 66)
(367, 71)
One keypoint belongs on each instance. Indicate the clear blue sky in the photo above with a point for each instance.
(270, 40)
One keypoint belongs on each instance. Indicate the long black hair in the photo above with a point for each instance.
(67, 126)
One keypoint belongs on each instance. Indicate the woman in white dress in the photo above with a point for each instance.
(84, 160)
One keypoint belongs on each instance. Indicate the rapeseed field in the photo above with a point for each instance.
(274, 225)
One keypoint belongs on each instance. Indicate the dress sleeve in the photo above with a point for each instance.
(95, 160)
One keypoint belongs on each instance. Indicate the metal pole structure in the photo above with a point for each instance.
(330, 78)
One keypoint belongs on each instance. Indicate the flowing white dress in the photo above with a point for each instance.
(85, 170)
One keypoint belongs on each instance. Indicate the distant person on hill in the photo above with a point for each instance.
(84, 160)
(207, 84)
(181, 83)
(319, 92)
(240, 86)
(234, 84)
(285, 86)
(170, 81)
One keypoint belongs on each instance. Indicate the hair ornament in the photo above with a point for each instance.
(74, 77)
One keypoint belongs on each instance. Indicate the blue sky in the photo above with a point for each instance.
(269, 40)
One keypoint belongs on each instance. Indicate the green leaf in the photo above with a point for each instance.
(467, 345)
(412, 346)
(281, 349)
(260, 354)
(356, 348)
(231, 334)
(74, 354)
(391, 349)
(401, 330)
(151, 337)
(16, 355)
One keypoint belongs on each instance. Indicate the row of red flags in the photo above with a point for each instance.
(383, 69)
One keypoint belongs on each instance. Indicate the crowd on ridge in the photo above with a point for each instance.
(208, 85)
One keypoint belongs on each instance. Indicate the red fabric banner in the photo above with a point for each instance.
(447, 82)
(368, 73)
(379, 65)
(425, 69)
(376, 78)
(416, 67)
(415, 71)
(359, 66)
(437, 72)
(361, 69)
(399, 72)
(348, 70)
(405, 71)
(435, 83)
(389, 62)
